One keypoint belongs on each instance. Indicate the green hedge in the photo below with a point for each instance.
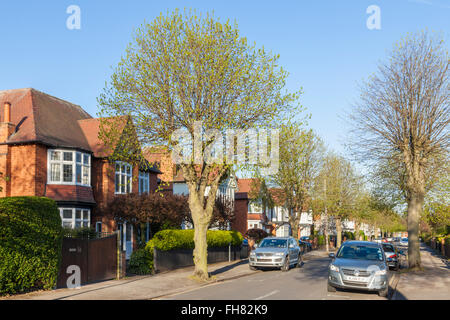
(30, 244)
(166, 240)
(141, 261)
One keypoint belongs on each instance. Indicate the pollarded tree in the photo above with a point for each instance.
(196, 75)
(402, 118)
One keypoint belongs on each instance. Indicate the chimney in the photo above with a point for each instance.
(6, 127)
(7, 112)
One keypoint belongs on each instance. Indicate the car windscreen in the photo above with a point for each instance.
(360, 252)
(388, 248)
(273, 243)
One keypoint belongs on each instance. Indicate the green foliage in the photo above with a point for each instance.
(184, 239)
(349, 235)
(320, 239)
(30, 244)
(256, 234)
(141, 261)
(82, 233)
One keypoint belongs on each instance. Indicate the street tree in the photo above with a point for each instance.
(194, 74)
(336, 189)
(402, 119)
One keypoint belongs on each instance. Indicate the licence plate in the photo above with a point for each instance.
(357, 279)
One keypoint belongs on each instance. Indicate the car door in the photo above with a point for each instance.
(293, 251)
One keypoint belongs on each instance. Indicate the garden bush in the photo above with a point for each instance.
(141, 262)
(30, 244)
(184, 239)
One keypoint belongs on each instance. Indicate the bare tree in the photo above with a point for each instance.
(402, 119)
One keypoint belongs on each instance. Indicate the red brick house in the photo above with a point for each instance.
(50, 147)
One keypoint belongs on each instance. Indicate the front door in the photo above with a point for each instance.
(126, 238)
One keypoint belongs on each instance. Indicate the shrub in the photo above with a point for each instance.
(184, 239)
(256, 234)
(83, 233)
(141, 262)
(320, 240)
(30, 244)
(349, 235)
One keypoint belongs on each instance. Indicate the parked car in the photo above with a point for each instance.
(378, 240)
(305, 238)
(396, 240)
(404, 242)
(306, 245)
(359, 265)
(279, 252)
(389, 239)
(392, 255)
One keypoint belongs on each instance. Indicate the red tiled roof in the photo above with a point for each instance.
(254, 216)
(70, 193)
(42, 118)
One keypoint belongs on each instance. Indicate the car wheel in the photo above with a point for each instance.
(285, 266)
(330, 288)
(384, 292)
(299, 261)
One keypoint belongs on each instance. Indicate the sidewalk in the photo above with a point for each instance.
(148, 287)
(142, 287)
(431, 284)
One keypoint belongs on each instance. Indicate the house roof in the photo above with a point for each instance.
(42, 118)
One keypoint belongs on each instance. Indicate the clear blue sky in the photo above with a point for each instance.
(324, 45)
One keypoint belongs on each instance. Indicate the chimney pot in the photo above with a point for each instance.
(7, 112)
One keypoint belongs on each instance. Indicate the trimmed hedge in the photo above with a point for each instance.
(30, 244)
(166, 240)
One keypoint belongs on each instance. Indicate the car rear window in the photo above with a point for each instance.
(388, 248)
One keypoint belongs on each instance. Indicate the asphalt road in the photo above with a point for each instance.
(306, 283)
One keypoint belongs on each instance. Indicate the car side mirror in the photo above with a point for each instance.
(332, 255)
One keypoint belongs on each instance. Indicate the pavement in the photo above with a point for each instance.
(433, 283)
(150, 286)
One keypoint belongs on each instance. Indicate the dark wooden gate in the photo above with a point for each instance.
(97, 259)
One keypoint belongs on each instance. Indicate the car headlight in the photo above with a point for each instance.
(381, 272)
(279, 253)
(334, 268)
(252, 254)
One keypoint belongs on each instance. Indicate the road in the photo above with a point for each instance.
(306, 283)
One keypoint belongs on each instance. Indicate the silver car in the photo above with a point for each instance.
(359, 265)
(279, 252)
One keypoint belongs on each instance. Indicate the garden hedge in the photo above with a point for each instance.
(166, 240)
(30, 244)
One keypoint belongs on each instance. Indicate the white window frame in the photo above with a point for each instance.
(73, 219)
(145, 177)
(125, 174)
(73, 163)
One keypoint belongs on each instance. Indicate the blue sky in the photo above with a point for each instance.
(324, 45)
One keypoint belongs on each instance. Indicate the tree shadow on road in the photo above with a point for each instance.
(228, 267)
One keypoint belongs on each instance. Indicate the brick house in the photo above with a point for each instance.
(50, 147)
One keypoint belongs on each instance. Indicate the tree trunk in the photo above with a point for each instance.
(338, 232)
(415, 204)
(200, 250)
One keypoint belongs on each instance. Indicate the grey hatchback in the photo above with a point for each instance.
(359, 265)
(281, 252)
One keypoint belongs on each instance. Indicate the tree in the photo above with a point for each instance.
(195, 75)
(336, 189)
(300, 159)
(402, 119)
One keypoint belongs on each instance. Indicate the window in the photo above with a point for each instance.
(69, 167)
(75, 218)
(123, 177)
(144, 182)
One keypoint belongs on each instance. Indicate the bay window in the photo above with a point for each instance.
(123, 180)
(69, 167)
